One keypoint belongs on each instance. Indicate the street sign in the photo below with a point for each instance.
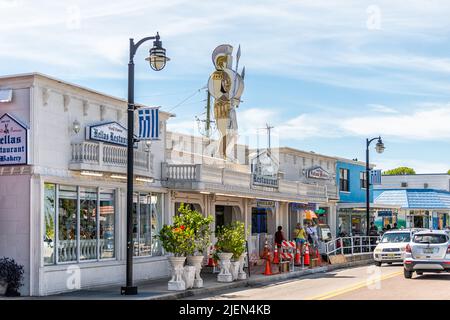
(148, 123)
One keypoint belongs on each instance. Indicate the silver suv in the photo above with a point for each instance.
(428, 251)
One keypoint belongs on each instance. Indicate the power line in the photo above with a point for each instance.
(187, 98)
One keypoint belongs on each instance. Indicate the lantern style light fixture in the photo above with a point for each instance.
(76, 127)
(379, 147)
(157, 55)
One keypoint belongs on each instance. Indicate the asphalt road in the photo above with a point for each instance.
(362, 283)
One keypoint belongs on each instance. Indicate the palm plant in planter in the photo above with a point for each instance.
(230, 245)
(11, 277)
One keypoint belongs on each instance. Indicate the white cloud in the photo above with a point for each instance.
(381, 108)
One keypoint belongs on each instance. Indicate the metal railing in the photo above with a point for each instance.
(351, 245)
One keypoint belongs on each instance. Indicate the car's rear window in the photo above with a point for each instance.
(430, 238)
(396, 237)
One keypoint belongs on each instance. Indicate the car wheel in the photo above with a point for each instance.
(419, 273)
(407, 274)
(378, 263)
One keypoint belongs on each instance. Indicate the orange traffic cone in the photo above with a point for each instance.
(306, 257)
(319, 258)
(268, 270)
(266, 250)
(276, 258)
(297, 260)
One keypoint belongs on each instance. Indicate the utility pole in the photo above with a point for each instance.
(269, 129)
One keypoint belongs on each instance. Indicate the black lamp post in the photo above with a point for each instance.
(157, 59)
(379, 147)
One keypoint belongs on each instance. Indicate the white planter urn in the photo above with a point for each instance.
(241, 274)
(234, 269)
(3, 287)
(189, 276)
(224, 260)
(177, 268)
(196, 261)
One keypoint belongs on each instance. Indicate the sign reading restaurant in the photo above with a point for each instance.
(317, 173)
(13, 141)
(111, 132)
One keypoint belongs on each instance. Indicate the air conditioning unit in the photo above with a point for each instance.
(425, 185)
(404, 185)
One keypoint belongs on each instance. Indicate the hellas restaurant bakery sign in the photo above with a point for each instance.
(13, 141)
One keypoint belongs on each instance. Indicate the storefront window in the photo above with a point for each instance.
(49, 223)
(88, 223)
(156, 222)
(145, 236)
(147, 221)
(67, 224)
(91, 209)
(107, 230)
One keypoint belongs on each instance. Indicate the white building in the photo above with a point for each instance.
(63, 204)
(436, 181)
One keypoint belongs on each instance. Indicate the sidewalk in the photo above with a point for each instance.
(157, 289)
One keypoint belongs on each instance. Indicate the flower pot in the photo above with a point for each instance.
(189, 276)
(196, 261)
(177, 282)
(3, 287)
(234, 269)
(224, 260)
(241, 274)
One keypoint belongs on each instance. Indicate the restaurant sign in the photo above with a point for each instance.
(261, 203)
(13, 141)
(317, 173)
(111, 132)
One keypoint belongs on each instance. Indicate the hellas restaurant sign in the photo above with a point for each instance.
(13, 141)
(111, 132)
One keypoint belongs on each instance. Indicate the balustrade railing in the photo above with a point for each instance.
(105, 154)
(67, 249)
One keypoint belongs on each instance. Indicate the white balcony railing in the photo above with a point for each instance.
(106, 156)
(209, 174)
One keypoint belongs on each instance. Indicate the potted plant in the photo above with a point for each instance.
(176, 239)
(11, 277)
(200, 227)
(230, 245)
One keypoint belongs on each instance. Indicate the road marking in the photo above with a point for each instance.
(357, 286)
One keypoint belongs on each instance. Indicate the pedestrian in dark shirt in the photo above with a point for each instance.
(279, 236)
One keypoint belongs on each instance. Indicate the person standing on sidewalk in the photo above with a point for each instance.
(300, 236)
(279, 237)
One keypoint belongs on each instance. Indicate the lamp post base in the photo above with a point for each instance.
(129, 291)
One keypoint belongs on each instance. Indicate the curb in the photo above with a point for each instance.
(250, 282)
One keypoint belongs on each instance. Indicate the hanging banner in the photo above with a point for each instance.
(13, 141)
(148, 124)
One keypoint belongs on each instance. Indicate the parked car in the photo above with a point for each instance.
(428, 251)
(391, 247)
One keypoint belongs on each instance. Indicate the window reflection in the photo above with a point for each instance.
(67, 224)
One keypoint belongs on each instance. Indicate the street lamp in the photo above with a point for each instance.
(379, 148)
(157, 59)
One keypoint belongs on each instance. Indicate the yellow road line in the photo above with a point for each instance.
(357, 286)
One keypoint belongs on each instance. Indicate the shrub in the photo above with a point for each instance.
(12, 273)
(232, 239)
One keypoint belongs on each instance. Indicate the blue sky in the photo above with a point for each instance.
(326, 74)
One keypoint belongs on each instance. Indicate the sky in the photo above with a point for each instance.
(325, 74)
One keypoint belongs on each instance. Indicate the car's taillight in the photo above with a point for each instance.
(408, 248)
(448, 249)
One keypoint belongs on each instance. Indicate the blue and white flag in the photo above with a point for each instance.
(375, 176)
(148, 124)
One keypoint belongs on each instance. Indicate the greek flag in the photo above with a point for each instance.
(375, 176)
(148, 124)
